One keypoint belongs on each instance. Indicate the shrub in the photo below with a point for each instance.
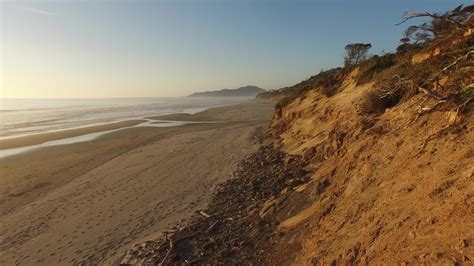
(330, 81)
(468, 92)
(372, 103)
(375, 65)
(386, 96)
(282, 103)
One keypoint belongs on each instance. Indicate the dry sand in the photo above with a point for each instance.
(88, 202)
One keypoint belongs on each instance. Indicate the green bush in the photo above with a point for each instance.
(467, 93)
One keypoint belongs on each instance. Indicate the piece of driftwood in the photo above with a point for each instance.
(204, 214)
(212, 226)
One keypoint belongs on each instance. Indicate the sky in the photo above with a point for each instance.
(107, 48)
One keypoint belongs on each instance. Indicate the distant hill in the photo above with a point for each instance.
(247, 91)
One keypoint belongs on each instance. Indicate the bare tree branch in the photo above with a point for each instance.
(408, 15)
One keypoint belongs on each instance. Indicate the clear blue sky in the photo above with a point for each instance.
(172, 48)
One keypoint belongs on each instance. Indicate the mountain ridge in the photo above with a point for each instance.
(246, 91)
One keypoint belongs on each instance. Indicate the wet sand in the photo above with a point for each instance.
(90, 201)
(11, 143)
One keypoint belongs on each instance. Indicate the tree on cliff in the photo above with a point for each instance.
(356, 53)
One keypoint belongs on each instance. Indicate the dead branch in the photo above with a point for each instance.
(420, 112)
(457, 51)
(407, 16)
(426, 110)
(431, 93)
(166, 244)
(193, 261)
(437, 76)
(204, 214)
(451, 124)
(457, 61)
(431, 137)
(463, 105)
(212, 226)
(168, 252)
(170, 244)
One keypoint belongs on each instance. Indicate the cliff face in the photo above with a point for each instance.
(372, 164)
(391, 180)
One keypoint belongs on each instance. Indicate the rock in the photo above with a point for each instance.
(430, 220)
(462, 244)
(253, 190)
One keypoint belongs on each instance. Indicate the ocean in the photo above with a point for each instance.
(20, 117)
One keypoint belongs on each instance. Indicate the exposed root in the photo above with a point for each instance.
(456, 62)
(431, 137)
(423, 111)
(431, 93)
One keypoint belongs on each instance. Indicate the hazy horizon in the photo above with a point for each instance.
(139, 49)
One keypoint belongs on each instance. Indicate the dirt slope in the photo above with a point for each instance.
(372, 164)
(388, 200)
(394, 144)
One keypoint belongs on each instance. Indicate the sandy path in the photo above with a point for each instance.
(132, 195)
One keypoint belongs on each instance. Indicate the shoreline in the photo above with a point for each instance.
(22, 144)
(34, 139)
(89, 201)
(11, 142)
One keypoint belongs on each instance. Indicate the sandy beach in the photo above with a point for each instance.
(10, 143)
(88, 202)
